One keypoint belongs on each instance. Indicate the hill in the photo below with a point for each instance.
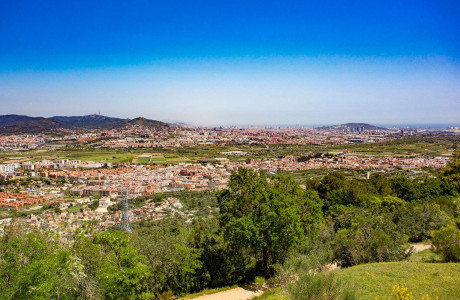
(23, 124)
(148, 123)
(377, 279)
(353, 126)
(16, 124)
(89, 122)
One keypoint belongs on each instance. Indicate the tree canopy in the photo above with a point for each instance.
(266, 215)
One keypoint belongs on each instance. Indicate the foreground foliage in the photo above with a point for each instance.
(263, 225)
(377, 279)
(267, 216)
(446, 241)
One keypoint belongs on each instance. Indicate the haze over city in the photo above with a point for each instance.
(235, 63)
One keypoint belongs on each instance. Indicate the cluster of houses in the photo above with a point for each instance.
(149, 179)
(11, 170)
(292, 163)
(65, 223)
(18, 200)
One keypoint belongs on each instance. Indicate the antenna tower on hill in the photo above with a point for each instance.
(125, 213)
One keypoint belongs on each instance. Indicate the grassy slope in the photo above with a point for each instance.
(425, 256)
(376, 280)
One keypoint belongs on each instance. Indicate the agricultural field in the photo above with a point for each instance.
(158, 158)
(83, 155)
(143, 159)
(407, 147)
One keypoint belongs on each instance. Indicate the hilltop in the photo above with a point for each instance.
(353, 126)
(11, 124)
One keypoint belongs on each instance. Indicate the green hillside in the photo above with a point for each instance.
(376, 280)
(16, 124)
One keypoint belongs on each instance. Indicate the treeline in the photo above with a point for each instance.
(265, 225)
(372, 220)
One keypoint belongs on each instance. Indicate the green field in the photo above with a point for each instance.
(103, 157)
(430, 146)
(83, 155)
(74, 209)
(376, 280)
(158, 159)
(143, 160)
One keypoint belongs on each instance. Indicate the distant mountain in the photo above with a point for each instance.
(20, 124)
(89, 122)
(148, 123)
(353, 126)
(10, 124)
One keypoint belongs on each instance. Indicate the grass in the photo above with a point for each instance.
(273, 294)
(143, 160)
(74, 209)
(376, 280)
(259, 280)
(158, 158)
(425, 256)
(102, 157)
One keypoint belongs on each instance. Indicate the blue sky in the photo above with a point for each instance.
(233, 62)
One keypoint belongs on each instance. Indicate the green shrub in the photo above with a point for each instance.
(446, 241)
(369, 239)
(302, 280)
(417, 220)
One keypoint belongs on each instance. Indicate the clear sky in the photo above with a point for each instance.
(233, 62)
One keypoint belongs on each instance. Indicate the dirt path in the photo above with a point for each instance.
(248, 292)
(420, 247)
(239, 293)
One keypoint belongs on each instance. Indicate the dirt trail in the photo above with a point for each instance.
(420, 247)
(239, 293)
(248, 292)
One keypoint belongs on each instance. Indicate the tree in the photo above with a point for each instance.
(123, 273)
(330, 182)
(368, 239)
(446, 241)
(417, 220)
(35, 266)
(380, 184)
(451, 173)
(267, 215)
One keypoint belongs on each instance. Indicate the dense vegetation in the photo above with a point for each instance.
(264, 225)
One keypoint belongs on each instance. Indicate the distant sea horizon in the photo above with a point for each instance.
(385, 125)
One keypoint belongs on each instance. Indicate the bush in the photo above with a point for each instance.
(369, 239)
(417, 220)
(446, 241)
(302, 281)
